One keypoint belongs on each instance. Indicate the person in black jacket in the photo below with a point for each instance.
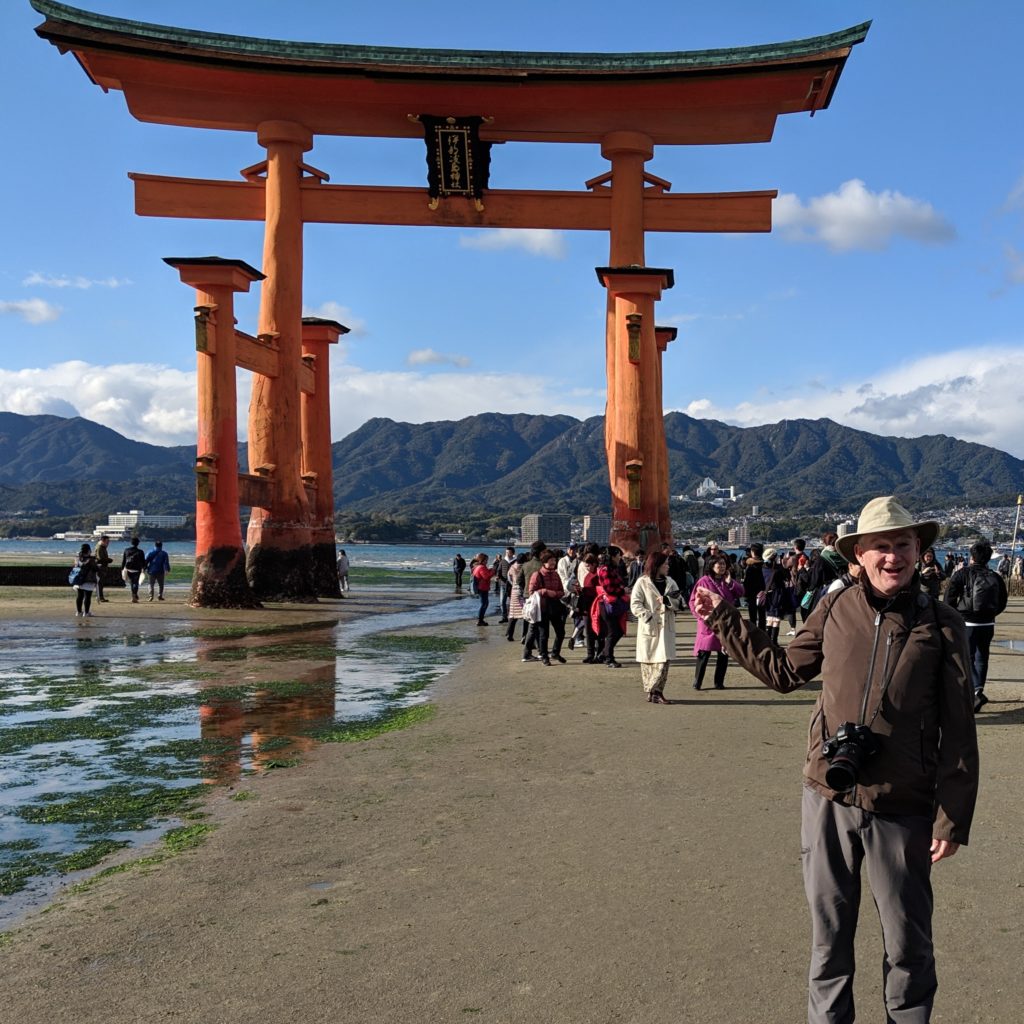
(979, 594)
(133, 561)
(753, 584)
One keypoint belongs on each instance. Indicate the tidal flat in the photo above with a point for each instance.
(112, 737)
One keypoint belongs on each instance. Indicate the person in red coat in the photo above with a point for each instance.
(483, 575)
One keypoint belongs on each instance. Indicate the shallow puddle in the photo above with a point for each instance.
(107, 740)
(1017, 646)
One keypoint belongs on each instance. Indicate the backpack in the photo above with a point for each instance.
(135, 560)
(75, 575)
(982, 594)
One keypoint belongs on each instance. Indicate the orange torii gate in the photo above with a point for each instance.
(462, 103)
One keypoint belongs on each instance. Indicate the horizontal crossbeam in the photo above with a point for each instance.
(160, 196)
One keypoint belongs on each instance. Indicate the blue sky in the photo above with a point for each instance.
(889, 297)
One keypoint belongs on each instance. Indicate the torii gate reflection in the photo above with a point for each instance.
(462, 102)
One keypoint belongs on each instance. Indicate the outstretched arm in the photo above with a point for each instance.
(781, 669)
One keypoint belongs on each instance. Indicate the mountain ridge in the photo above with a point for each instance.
(515, 463)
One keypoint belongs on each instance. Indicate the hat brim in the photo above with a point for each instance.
(927, 531)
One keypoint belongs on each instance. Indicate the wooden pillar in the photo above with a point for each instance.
(280, 559)
(219, 580)
(634, 426)
(637, 458)
(317, 337)
(662, 336)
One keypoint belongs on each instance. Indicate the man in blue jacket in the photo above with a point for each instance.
(158, 565)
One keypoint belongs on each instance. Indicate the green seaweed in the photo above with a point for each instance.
(187, 837)
(119, 807)
(369, 728)
(235, 632)
(407, 642)
(90, 856)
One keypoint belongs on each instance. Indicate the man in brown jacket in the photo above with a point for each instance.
(891, 773)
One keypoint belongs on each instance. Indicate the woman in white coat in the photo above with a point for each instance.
(654, 602)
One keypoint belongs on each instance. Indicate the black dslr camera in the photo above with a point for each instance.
(845, 751)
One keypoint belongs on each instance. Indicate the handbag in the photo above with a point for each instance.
(762, 598)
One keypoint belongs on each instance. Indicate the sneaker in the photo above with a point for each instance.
(530, 657)
(78, 615)
(547, 661)
(151, 597)
(980, 700)
(160, 598)
(792, 632)
(88, 615)
(559, 659)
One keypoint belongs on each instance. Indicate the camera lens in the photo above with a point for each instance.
(841, 774)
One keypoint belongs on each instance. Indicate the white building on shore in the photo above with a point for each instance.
(125, 524)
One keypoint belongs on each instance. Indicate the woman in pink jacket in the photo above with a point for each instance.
(720, 581)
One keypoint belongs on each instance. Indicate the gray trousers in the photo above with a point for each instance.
(835, 842)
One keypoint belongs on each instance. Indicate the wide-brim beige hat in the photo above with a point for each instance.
(885, 515)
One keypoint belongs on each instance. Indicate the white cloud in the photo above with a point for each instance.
(537, 241)
(356, 396)
(972, 394)
(144, 401)
(35, 278)
(33, 311)
(853, 217)
(343, 314)
(159, 405)
(428, 357)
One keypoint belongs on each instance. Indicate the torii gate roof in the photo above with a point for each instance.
(203, 79)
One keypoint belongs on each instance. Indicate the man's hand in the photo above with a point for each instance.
(706, 602)
(942, 848)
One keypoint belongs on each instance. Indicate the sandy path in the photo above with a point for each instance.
(549, 847)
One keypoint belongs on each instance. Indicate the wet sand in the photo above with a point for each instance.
(548, 847)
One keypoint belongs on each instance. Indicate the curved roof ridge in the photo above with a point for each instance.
(342, 54)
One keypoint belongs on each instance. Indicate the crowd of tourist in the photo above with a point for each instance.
(583, 598)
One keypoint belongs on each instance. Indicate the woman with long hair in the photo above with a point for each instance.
(654, 601)
(718, 580)
(777, 593)
(85, 580)
(931, 573)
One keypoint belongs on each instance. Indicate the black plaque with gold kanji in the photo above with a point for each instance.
(458, 163)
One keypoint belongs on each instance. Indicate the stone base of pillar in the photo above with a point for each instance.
(220, 581)
(281, 571)
(325, 568)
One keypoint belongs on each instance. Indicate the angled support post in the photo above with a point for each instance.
(219, 580)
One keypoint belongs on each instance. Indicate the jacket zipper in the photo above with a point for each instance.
(871, 668)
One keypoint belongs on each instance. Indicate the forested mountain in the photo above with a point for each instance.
(514, 464)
